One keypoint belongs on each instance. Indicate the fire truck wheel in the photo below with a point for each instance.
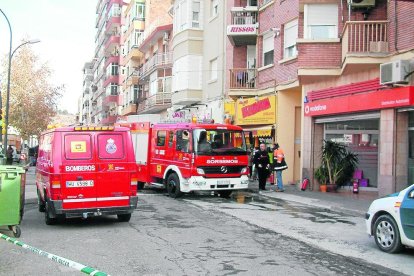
(173, 186)
(225, 194)
(141, 185)
(124, 217)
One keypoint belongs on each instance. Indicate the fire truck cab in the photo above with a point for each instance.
(187, 157)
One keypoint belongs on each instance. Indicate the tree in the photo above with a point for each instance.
(33, 98)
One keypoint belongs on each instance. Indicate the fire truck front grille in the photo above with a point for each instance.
(222, 169)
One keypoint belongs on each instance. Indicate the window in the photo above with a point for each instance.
(161, 134)
(268, 49)
(213, 69)
(321, 21)
(114, 69)
(170, 138)
(290, 34)
(182, 141)
(77, 146)
(139, 11)
(214, 7)
(110, 146)
(196, 15)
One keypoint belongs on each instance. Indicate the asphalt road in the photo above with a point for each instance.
(195, 235)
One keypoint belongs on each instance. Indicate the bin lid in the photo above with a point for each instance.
(10, 168)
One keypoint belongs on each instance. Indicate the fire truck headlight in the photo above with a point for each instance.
(200, 171)
(244, 170)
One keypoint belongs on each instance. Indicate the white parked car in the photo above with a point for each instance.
(391, 221)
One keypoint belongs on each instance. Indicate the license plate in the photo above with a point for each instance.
(82, 183)
(221, 182)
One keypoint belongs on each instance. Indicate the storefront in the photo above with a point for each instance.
(257, 117)
(378, 126)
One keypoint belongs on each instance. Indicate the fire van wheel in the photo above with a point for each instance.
(141, 185)
(40, 203)
(48, 219)
(225, 194)
(387, 235)
(124, 217)
(173, 186)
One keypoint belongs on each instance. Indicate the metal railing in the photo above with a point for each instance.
(243, 78)
(243, 17)
(365, 37)
(158, 99)
(157, 60)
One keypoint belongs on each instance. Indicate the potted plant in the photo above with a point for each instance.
(339, 163)
(321, 175)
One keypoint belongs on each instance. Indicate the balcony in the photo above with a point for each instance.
(155, 103)
(365, 39)
(243, 78)
(111, 79)
(109, 120)
(113, 22)
(134, 54)
(129, 109)
(110, 99)
(111, 59)
(158, 61)
(243, 29)
(112, 42)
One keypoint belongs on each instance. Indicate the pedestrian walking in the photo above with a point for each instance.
(254, 168)
(261, 162)
(279, 165)
(9, 155)
(250, 163)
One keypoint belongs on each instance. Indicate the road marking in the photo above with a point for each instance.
(57, 259)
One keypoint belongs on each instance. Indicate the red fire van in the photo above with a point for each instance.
(86, 171)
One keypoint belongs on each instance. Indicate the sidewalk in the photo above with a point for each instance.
(343, 201)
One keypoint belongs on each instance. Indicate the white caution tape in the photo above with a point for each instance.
(57, 259)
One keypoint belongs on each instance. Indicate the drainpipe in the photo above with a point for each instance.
(396, 27)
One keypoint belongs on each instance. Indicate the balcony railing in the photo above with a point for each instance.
(164, 59)
(154, 101)
(365, 37)
(243, 78)
(244, 17)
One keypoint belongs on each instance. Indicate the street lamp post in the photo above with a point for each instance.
(8, 81)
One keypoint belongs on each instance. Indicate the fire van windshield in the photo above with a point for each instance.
(219, 142)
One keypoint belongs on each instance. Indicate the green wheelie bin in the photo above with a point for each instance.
(12, 193)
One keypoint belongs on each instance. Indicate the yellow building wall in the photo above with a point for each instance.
(288, 131)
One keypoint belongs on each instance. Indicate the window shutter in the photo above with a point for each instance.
(290, 33)
(268, 43)
(322, 14)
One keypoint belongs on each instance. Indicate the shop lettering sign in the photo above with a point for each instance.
(390, 98)
(238, 30)
(255, 108)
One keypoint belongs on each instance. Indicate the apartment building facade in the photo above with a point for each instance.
(198, 45)
(106, 82)
(85, 103)
(341, 86)
(263, 90)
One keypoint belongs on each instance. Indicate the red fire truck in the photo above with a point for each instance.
(186, 157)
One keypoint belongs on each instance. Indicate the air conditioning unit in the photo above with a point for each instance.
(362, 3)
(394, 72)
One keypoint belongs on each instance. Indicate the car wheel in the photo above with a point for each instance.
(225, 193)
(48, 219)
(40, 203)
(124, 217)
(173, 186)
(387, 234)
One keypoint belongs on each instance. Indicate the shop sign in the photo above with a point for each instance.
(256, 112)
(249, 29)
(390, 98)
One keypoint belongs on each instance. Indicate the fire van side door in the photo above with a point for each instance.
(182, 152)
(78, 171)
(113, 169)
(158, 158)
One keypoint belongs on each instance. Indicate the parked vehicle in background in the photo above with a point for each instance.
(187, 157)
(86, 171)
(391, 221)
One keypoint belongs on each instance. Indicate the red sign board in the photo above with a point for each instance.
(390, 98)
